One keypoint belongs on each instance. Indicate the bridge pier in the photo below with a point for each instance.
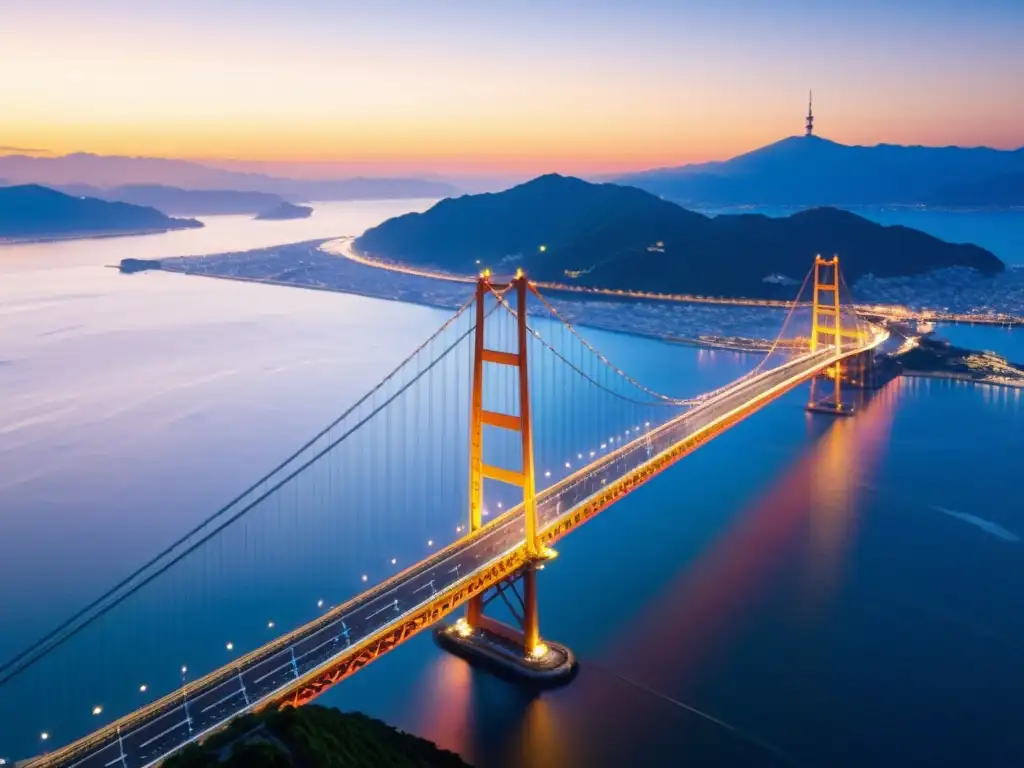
(831, 405)
(514, 653)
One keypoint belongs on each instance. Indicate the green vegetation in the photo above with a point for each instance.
(313, 737)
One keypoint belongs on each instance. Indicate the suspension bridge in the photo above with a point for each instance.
(557, 433)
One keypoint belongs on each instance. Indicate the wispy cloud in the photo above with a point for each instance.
(25, 150)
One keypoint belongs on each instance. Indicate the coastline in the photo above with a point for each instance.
(953, 376)
(32, 240)
(328, 265)
(691, 341)
(307, 265)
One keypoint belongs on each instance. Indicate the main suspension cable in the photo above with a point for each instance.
(663, 400)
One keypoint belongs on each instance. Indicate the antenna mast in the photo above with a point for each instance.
(810, 114)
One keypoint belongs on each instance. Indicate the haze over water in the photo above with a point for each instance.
(833, 593)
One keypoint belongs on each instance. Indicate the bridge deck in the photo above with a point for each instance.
(301, 664)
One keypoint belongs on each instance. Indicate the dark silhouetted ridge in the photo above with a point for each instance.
(33, 211)
(808, 170)
(605, 235)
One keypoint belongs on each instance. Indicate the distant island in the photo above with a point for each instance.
(111, 172)
(313, 737)
(283, 211)
(31, 211)
(562, 229)
(175, 201)
(808, 170)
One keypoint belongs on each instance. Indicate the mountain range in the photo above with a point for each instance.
(31, 211)
(605, 235)
(175, 201)
(808, 170)
(108, 172)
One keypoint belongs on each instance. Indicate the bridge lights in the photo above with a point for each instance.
(270, 625)
(230, 646)
(184, 670)
(320, 603)
(394, 560)
(97, 710)
(143, 688)
(430, 543)
(462, 628)
(547, 473)
(44, 736)
(539, 651)
(568, 465)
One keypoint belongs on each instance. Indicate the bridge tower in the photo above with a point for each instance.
(479, 637)
(826, 329)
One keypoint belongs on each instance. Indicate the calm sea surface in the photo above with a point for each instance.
(799, 592)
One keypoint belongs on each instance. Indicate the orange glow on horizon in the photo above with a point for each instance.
(508, 89)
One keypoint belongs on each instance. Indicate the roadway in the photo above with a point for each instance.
(265, 675)
(344, 247)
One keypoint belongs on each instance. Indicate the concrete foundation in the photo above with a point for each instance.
(507, 658)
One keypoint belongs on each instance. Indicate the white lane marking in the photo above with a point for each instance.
(259, 680)
(314, 650)
(220, 701)
(387, 607)
(94, 754)
(164, 733)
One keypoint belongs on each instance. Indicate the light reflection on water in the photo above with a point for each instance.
(784, 578)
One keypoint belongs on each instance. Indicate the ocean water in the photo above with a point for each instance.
(802, 591)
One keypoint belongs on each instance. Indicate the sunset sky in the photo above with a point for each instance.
(446, 86)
